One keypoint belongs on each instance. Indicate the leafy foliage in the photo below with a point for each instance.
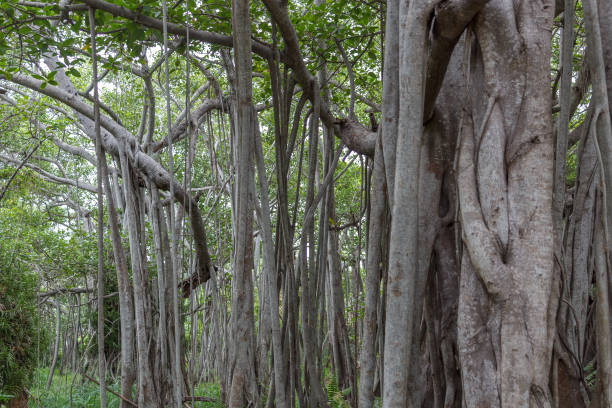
(19, 337)
(86, 394)
(335, 396)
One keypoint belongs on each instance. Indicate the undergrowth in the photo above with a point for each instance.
(86, 394)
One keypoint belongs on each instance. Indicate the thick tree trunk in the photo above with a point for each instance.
(600, 57)
(505, 184)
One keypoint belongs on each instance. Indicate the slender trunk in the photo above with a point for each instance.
(243, 386)
(101, 156)
(404, 290)
(146, 392)
(126, 305)
(58, 334)
(174, 258)
(373, 276)
(313, 391)
(163, 337)
(280, 380)
(344, 361)
(390, 105)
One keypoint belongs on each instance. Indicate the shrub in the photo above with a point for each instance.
(18, 328)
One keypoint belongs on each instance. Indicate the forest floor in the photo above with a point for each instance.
(86, 394)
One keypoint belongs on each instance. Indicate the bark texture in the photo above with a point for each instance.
(505, 182)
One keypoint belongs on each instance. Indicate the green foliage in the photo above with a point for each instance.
(590, 376)
(335, 396)
(112, 335)
(18, 316)
(86, 394)
(18, 335)
(211, 391)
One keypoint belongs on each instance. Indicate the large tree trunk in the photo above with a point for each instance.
(600, 59)
(505, 187)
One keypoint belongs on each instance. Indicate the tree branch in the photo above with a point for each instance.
(178, 130)
(350, 135)
(291, 56)
(63, 291)
(177, 29)
(110, 133)
(49, 176)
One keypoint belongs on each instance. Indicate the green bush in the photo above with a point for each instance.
(20, 337)
(86, 394)
(18, 328)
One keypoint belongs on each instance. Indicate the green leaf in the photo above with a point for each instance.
(73, 72)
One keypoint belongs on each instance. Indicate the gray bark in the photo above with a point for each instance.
(243, 387)
(58, 334)
(100, 155)
(404, 286)
(506, 300)
(378, 215)
(280, 379)
(601, 125)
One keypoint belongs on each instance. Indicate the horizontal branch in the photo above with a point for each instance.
(75, 150)
(173, 28)
(178, 130)
(198, 398)
(38, 4)
(49, 176)
(111, 391)
(63, 291)
(356, 137)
